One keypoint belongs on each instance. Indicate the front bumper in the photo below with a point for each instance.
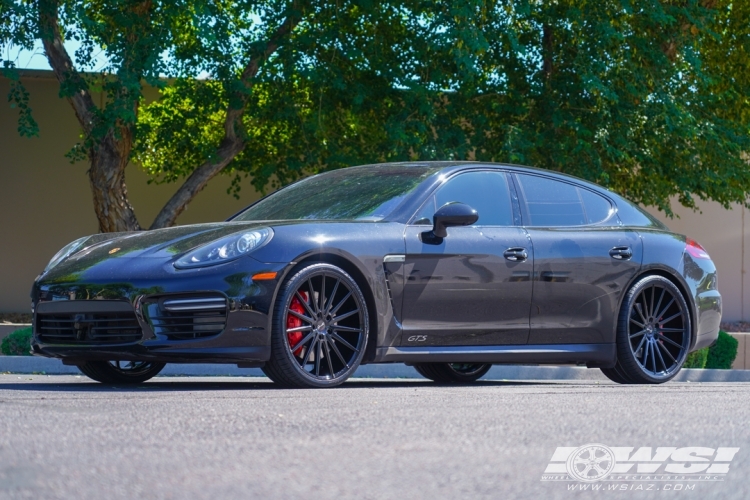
(243, 337)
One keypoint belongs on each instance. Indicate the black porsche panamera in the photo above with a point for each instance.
(448, 266)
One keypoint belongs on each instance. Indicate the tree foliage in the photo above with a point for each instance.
(17, 343)
(721, 355)
(648, 98)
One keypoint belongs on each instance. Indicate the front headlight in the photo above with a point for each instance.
(225, 249)
(66, 252)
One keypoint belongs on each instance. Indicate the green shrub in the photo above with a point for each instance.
(18, 343)
(697, 359)
(722, 354)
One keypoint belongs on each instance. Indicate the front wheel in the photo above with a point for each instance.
(653, 333)
(453, 373)
(120, 372)
(320, 327)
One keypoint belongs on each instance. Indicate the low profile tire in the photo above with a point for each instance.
(269, 373)
(653, 333)
(453, 373)
(320, 328)
(615, 376)
(120, 372)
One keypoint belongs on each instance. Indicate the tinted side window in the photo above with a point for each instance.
(549, 202)
(597, 207)
(633, 215)
(486, 192)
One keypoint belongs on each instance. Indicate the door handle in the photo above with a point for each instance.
(621, 253)
(516, 254)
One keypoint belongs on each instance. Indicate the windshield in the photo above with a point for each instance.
(362, 193)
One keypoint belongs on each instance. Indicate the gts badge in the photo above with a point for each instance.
(417, 338)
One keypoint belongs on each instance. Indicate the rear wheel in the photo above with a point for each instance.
(120, 372)
(653, 333)
(320, 328)
(453, 373)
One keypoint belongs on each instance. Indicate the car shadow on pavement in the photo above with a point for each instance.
(162, 385)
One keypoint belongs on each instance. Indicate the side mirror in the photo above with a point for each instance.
(449, 215)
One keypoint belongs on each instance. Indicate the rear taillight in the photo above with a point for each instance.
(695, 249)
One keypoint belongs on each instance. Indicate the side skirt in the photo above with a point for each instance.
(593, 355)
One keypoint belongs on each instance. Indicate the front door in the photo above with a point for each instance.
(474, 287)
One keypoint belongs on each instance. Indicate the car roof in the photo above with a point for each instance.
(447, 168)
(450, 167)
(442, 169)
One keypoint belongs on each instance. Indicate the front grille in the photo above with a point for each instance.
(91, 328)
(189, 317)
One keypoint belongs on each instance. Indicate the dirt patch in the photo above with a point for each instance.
(737, 326)
(15, 318)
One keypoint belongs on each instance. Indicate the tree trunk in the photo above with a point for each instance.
(548, 37)
(109, 154)
(107, 176)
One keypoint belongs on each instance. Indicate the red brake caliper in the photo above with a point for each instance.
(295, 322)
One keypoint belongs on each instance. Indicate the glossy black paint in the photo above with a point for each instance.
(577, 283)
(450, 215)
(476, 296)
(465, 291)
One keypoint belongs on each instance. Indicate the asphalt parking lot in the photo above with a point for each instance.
(66, 437)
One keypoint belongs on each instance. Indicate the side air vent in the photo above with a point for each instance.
(189, 317)
(388, 285)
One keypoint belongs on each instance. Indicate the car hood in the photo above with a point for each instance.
(164, 244)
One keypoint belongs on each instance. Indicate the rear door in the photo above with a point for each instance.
(583, 261)
(465, 291)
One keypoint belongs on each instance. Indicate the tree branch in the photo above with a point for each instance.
(547, 51)
(74, 86)
(233, 141)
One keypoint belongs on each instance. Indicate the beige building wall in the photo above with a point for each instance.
(725, 234)
(45, 202)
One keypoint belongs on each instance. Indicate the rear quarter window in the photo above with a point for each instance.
(633, 215)
(597, 207)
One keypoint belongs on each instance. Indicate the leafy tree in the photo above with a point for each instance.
(646, 97)
(263, 60)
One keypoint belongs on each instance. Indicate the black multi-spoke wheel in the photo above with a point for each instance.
(451, 373)
(319, 330)
(653, 334)
(120, 372)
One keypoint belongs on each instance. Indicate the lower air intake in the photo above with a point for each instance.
(86, 322)
(189, 317)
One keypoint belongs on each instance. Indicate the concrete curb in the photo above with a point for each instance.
(32, 364)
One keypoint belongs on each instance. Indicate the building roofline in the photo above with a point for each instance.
(34, 73)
